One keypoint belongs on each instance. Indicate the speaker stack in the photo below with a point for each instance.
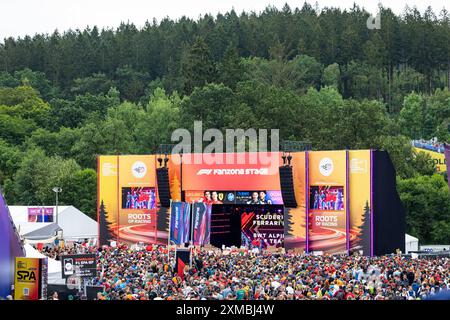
(287, 183)
(162, 179)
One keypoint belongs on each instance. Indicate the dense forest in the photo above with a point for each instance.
(320, 76)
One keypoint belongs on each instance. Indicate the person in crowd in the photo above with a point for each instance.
(129, 200)
(316, 200)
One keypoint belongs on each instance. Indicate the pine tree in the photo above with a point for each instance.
(230, 70)
(197, 66)
(175, 188)
(364, 237)
(162, 219)
(105, 229)
(288, 231)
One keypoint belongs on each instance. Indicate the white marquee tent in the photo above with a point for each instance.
(54, 267)
(75, 224)
(411, 243)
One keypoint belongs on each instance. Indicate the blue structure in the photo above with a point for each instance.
(10, 247)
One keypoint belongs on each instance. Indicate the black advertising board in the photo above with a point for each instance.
(79, 265)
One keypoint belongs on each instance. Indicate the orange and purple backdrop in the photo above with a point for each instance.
(340, 225)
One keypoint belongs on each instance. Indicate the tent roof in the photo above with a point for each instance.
(77, 225)
(74, 223)
(54, 266)
(43, 233)
(409, 238)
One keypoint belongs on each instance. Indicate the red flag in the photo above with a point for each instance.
(181, 266)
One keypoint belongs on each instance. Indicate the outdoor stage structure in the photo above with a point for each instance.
(313, 201)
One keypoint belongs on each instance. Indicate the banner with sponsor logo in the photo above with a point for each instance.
(235, 197)
(137, 199)
(40, 214)
(328, 201)
(79, 265)
(201, 219)
(107, 198)
(360, 187)
(127, 199)
(447, 157)
(438, 158)
(262, 226)
(232, 171)
(30, 278)
(180, 222)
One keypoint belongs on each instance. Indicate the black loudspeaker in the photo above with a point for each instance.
(287, 187)
(162, 178)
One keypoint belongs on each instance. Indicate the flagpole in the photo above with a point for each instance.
(170, 230)
(192, 224)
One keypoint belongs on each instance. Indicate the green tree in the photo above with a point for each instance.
(197, 66)
(131, 83)
(98, 83)
(332, 76)
(401, 153)
(423, 164)
(163, 113)
(230, 70)
(81, 192)
(211, 104)
(10, 158)
(411, 116)
(427, 203)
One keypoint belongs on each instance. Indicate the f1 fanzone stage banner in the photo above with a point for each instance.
(333, 190)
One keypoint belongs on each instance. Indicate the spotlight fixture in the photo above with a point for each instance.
(284, 159)
(166, 159)
(160, 161)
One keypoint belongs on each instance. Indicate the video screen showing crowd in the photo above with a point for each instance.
(138, 198)
(327, 198)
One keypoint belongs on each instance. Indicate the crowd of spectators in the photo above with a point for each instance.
(148, 273)
(432, 145)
